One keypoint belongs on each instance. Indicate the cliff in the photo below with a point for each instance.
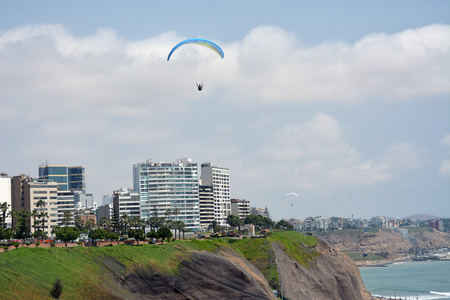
(300, 266)
(386, 240)
(332, 276)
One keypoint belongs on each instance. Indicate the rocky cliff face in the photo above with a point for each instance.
(227, 275)
(385, 240)
(203, 276)
(332, 276)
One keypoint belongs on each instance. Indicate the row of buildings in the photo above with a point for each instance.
(338, 223)
(197, 197)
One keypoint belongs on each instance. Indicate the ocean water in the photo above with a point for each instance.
(409, 280)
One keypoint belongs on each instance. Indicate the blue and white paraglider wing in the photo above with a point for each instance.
(203, 42)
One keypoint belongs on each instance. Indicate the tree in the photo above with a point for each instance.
(137, 234)
(176, 211)
(98, 234)
(56, 290)
(213, 226)
(79, 223)
(22, 218)
(6, 234)
(112, 236)
(105, 223)
(182, 228)
(43, 215)
(90, 223)
(235, 221)
(168, 213)
(283, 224)
(124, 220)
(66, 234)
(66, 218)
(41, 204)
(3, 209)
(164, 233)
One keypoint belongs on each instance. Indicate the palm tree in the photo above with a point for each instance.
(90, 223)
(3, 208)
(35, 214)
(168, 213)
(43, 215)
(176, 211)
(182, 227)
(105, 223)
(66, 219)
(125, 220)
(41, 204)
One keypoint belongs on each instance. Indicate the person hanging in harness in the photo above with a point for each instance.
(199, 86)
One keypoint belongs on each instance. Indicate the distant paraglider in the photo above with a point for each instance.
(294, 194)
(291, 194)
(207, 43)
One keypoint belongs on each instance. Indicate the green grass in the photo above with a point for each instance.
(297, 246)
(28, 273)
(259, 252)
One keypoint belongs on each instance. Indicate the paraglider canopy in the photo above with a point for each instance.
(203, 42)
(291, 194)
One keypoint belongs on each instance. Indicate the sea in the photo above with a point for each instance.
(424, 280)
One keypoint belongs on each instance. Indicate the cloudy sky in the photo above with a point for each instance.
(345, 103)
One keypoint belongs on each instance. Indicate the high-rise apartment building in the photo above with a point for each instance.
(169, 185)
(76, 179)
(56, 173)
(206, 205)
(219, 179)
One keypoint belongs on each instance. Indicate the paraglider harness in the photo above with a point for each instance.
(199, 86)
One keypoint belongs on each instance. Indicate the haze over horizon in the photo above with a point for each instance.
(346, 104)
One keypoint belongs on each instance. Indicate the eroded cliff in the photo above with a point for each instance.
(332, 276)
(386, 240)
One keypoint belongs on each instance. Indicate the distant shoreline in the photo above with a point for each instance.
(385, 263)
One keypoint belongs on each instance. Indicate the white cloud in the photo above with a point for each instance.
(445, 141)
(48, 66)
(316, 153)
(444, 168)
(405, 156)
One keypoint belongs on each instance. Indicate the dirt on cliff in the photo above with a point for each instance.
(332, 276)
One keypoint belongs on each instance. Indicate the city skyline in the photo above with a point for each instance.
(345, 104)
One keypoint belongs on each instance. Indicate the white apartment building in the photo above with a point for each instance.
(219, 179)
(66, 203)
(240, 207)
(5, 195)
(125, 201)
(169, 185)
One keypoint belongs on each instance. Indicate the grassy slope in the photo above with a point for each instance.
(28, 273)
